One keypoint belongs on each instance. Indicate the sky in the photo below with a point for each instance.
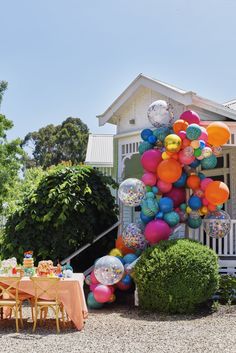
(66, 58)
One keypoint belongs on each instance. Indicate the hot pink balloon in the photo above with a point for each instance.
(102, 293)
(93, 286)
(163, 186)
(205, 182)
(183, 159)
(156, 231)
(149, 179)
(204, 134)
(150, 160)
(93, 278)
(178, 195)
(191, 117)
(182, 134)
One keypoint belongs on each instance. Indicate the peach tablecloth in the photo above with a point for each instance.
(71, 294)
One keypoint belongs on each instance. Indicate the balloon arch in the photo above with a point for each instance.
(171, 155)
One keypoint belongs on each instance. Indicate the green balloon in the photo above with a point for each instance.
(92, 303)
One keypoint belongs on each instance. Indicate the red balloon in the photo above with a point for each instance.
(178, 195)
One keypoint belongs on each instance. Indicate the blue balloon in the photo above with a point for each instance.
(127, 280)
(195, 163)
(166, 204)
(183, 207)
(121, 259)
(202, 144)
(195, 202)
(209, 162)
(161, 133)
(159, 215)
(146, 133)
(152, 139)
(129, 258)
(181, 181)
(144, 146)
(201, 176)
(171, 218)
(145, 219)
(194, 222)
(92, 303)
(155, 190)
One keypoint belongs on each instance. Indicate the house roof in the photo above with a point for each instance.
(231, 104)
(185, 97)
(100, 150)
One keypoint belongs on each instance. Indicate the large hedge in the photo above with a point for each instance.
(176, 275)
(69, 207)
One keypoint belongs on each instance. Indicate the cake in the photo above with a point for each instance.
(28, 262)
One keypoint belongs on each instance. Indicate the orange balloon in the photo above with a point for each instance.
(193, 182)
(121, 246)
(217, 193)
(211, 207)
(218, 133)
(169, 170)
(185, 143)
(180, 125)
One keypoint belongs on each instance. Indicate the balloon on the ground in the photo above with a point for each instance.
(93, 278)
(156, 231)
(122, 286)
(108, 270)
(131, 192)
(133, 236)
(218, 133)
(217, 224)
(159, 114)
(169, 170)
(217, 192)
(92, 303)
(102, 293)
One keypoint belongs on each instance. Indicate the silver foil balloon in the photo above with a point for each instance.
(217, 224)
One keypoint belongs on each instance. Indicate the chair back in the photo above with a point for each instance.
(46, 287)
(9, 288)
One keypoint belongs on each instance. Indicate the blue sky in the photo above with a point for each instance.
(73, 58)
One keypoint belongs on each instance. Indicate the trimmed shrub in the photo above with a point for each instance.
(227, 288)
(176, 275)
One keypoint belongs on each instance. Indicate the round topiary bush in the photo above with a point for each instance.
(176, 275)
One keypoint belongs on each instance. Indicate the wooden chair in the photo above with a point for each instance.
(46, 286)
(9, 297)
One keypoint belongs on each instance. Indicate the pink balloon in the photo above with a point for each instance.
(149, 179)
(191, 117)
(112, 289)
(93, 278)
(185, 159)
(163, 186)
(93, 286)
(178, 195)
(204, 134)
(182, 134)
(205, 202)
(102, 293)
(150, 160)
(156, 231)
(205, 182)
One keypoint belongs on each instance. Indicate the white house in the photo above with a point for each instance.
(129, 113)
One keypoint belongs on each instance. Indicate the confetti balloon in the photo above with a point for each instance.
(133, 236)
(108, 270)
(206, 152)
(160, 114)
(193, 132)
(131, 192)
(217, 224)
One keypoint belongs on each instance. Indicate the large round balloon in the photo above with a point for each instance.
(150, 160)
(218, 133)
(193, 132)
(171, 218)
(131, 192)
(92, 303)
(144, 146)
(178, 195)
(209, 162)
(169, 170)
(217, 224)
(156, 231)
(191, 117)
(102, 293)
(133, 236)
(159, 114)
(180, 125)
(108, 270)
(172, 143)
(217, 192)
(161, 133)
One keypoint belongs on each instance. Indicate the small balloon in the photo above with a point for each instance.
(217, 224)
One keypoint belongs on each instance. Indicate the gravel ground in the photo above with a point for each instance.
(122, 330)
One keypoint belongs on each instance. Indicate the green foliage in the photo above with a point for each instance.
(227, 289)
(3, 87)
(54, 144)
(176, 275)
(70, 206)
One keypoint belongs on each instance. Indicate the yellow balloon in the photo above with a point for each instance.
(204, 210)
(165, 156)
(195, 144)
(188, 210)
(115, 252)
(172, 143)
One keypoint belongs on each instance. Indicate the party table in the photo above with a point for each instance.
(70, 293)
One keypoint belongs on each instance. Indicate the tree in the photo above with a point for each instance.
(70, 206)
(54, 144)
(3, 87)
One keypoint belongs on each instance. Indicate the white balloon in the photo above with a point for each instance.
(160, 114)
(131, 192)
